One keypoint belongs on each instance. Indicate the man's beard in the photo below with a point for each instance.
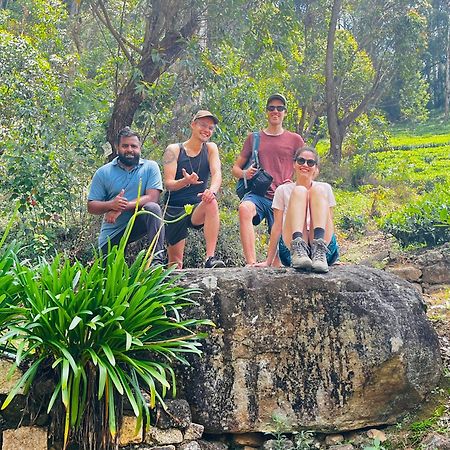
(129, 162)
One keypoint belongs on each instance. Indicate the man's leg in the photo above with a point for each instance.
(207, 214)
(175, 254)
(247, 210)
(152, 226)
(111, 243)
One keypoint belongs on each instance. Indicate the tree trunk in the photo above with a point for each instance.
(447, 75)
(169, 42)
(334, 129)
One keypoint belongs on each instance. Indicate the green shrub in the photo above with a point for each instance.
(353, 224)
(412, 167)
(228, 248)
(351, 213)
(97, 332)
(425, 222)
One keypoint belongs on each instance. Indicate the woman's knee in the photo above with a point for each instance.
(317, 191)
(300, 192)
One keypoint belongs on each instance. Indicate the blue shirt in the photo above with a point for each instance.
(111, 178)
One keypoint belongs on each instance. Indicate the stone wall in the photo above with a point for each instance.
(428, 270)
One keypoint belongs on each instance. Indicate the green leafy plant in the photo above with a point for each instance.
(99, 332)
(304, 440)
(376, 445)
(301, 440)
(280, 424)
(424, 222)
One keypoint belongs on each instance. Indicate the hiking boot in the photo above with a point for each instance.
(299, 254)
(212, 262)
(319, 250)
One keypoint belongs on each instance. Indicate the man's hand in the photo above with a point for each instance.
(250, 172)
(111, 216)
(119, 202)
(191, 178)
(207, 196)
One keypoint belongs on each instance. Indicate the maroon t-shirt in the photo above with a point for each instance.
(276, 155)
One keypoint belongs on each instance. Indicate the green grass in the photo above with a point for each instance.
(419, 141)
(417, 166)
(436, 125)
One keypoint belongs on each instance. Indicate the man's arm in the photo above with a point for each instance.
(209, 194)
(238, 170)
(151, 195)
(170, 162)
(98, 207)
(214, 167)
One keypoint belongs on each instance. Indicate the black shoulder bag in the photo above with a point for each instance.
(260, 182)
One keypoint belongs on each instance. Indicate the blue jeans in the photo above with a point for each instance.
(263, 209)
(285, 254)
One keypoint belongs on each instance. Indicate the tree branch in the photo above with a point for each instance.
(123, 43)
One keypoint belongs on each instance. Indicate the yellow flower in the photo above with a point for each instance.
(188, 208)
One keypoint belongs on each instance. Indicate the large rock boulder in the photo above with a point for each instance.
(341, 351)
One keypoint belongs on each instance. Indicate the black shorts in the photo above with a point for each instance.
(176, 232)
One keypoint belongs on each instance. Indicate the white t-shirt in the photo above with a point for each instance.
(283, 193)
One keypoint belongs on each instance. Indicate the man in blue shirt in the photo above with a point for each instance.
(114, 192)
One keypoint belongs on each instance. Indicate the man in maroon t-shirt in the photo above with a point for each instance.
(276, 151)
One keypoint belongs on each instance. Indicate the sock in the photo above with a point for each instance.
(319, 233)
(297, 234)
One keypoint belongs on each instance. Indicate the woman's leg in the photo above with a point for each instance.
(295, 220)
(320, 214)
(321, 228)
(295, 226)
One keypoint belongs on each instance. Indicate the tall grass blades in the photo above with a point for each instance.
(99, 332)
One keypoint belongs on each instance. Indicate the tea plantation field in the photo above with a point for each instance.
(402, 188)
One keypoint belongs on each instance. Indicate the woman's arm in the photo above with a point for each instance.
(274, 238)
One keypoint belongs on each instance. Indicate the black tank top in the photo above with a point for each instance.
(198, 164)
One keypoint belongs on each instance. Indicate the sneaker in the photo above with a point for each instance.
(319, 250)
(212, 262)
(299, 254)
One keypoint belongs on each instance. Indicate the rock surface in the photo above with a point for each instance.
(25, 438)
(341, 351)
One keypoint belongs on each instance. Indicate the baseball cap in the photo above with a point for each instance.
(205, 113)
(280, 97)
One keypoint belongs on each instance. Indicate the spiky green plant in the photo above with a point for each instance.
(100, 332)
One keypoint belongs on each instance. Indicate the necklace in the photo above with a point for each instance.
(191, 158)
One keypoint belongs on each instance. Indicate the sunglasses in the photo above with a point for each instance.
(279, 108)
(205, 126)
(309, 162)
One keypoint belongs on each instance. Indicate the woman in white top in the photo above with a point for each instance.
(303, 217)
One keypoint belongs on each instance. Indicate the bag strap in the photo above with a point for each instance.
(255, 147)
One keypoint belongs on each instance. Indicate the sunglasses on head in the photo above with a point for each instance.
(310, 162)
(279, 108)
